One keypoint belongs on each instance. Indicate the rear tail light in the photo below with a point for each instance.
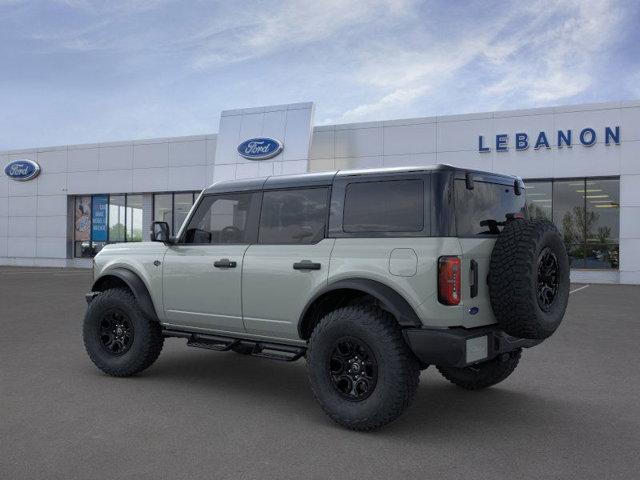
(449, 280)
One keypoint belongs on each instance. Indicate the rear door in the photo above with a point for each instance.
(480, 214)
(289, 262)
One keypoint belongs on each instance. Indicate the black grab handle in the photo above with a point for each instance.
(306, 265)
(224, 263)
(474, 279)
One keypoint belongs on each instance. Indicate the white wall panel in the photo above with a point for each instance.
(630, 191)
(84, 182)
(22, 206)
(629, 222)
(630, 124)
(322, 145)
(4, 206)
(51, 247)
(22, 189)
(21, 246)
(51, 205)
(52, 183)
(358, 162)
(228, 140)
(581, 161)
(630, 157)
(187, 178)
(117, 157)
(416, 159)
(248, 170)
(151, 155)
(4, 227)
(150, 179)
(358, 142)
(83, 159)
(420, 138)
(463, 135)
(22, 227)
(52, 226)
(53, 161)
(115, 181)
(3, 248)
(297, 135)
(188, 153)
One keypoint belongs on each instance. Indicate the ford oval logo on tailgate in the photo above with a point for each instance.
(22, 170)
(260, 148)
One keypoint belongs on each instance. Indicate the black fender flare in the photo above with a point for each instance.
(135, 284)
(389, 299)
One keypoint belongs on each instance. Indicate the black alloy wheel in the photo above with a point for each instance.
(353, 369)
(547, 278)
(115, 332)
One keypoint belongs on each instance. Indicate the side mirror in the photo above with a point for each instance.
(159, 232)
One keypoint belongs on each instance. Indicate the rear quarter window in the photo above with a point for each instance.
(384, 206)
(483, 210)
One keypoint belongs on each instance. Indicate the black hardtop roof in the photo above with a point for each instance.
(327, 178)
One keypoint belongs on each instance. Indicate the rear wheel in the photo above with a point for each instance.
(483, 375)
(360, 369)
(118, 337)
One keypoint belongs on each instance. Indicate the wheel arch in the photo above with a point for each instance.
(345, 291)
(123, 277)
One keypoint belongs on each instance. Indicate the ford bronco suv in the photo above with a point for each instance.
(371, 275)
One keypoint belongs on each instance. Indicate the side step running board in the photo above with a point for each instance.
(274, 351)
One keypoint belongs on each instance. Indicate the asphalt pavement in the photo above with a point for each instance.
(570, 410)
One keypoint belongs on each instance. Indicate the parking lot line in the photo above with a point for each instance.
(580, 288)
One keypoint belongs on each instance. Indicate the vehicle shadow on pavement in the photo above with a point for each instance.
(440, 410)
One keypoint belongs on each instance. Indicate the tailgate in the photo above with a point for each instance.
(476, 255)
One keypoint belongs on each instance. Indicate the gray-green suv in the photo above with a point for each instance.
(371, 275)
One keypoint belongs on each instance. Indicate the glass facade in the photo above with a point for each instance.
(587, 213)
(173, 208)
(102, 219)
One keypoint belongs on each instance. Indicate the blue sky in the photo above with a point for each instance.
(77, 71)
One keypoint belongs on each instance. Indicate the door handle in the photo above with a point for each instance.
(224, 263)
(474, 279)
(306, 265)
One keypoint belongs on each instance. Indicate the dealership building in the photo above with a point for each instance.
(581, 165)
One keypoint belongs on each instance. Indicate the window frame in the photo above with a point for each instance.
(196, 195)
(584, 244)
(336, 216)
(325, 232)
(251, 228)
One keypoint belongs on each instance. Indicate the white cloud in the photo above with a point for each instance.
(544, 52)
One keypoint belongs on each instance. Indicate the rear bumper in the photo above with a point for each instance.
(460, 347)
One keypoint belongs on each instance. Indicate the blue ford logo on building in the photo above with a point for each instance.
(22, 170)
(260, 148)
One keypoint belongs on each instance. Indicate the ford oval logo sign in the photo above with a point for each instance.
(22, 170)
(260, 148)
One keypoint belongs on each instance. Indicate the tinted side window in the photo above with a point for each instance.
(293, 216)
(221, 219)
(483, 210)
(386, 206)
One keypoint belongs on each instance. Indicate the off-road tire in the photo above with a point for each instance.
(483, 375)
(514, 278)
(147, 335)
(398, 370)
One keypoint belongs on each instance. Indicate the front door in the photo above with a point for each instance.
(202, 272)
(289, 262)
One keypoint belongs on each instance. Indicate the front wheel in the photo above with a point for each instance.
(120, 340)
(360, 369)
(483, 375)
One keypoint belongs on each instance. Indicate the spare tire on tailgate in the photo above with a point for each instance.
(529, 278)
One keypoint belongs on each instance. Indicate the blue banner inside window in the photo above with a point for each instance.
(99, 207)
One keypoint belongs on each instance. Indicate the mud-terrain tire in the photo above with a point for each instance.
(118, 337)
(529, 278)
(483, 375)
(389, 370)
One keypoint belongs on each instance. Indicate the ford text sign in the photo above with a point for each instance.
(260, 148)
(22, 170)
